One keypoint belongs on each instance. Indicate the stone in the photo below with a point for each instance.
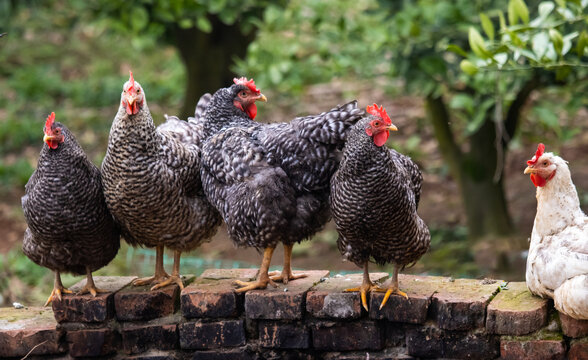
(140, 303)
(154, 355)
(532, 349)
(516, 311)
(573, 328)
(285, 302)
(138, 338)
(346, 336)
(237, 354)
(273, 334)
(327, 300)
(86, 308)
(578, 349)
(395, 353)
(431, 341)
(26, 329)
(92, 342)
(210, 335)
(413, 310)
(213, 294)
(460, 304)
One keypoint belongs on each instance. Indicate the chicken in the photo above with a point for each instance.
(69, 226)
(557, 264)
(270, 182)
(152, 186)
(374, 200)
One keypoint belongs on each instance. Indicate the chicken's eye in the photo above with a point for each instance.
(243, 94)
(545, 163)
(138, 91)
(376, 123)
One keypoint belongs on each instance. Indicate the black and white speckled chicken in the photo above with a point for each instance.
(152, 186)
(374, 199)
(69, 226)
(270, 182)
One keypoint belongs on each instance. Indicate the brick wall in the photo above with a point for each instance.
(310, 318)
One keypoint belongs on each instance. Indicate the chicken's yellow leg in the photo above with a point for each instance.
(393, 288)
(57, 289)
(263, 278)
(286, 274)
(90, 287)
(160, 274)
(175, 276)
(366, 286)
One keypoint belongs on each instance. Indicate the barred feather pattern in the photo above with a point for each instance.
(152, 185)
(270, 182)
(69, 225)
(190, 131)
(374, 202)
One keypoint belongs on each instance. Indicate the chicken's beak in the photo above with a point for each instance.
(391, 127)
(529, 170)
(261, 97)
(48, 138)
(131, 99)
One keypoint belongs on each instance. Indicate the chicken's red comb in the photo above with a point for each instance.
(131, 80)
(538, 153)
(380, 112)
(49, 122)
(249, 83)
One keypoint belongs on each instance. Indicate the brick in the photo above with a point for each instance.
(23, 329)
(348, 336)
(578, 349)
(395, 353)
(237, 354)
(86, 308)
(213, 295)
(394, 333)
(154, 355)
(140, 303)
(274, 334)
(139, 338)
(92, 342)
(572, 327)
(532, 349)
(461, 304)
(516, 311)
(431, 341)
(413, 310)
(210, 335)
(327, 300)
(282, 302)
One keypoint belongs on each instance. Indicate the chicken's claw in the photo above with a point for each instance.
(363, 290)
(92, 289)
(285, 276)
(57, 293)
(252, 285)
(170, 280)
(389, 292)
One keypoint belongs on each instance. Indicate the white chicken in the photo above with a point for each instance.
(557, 265)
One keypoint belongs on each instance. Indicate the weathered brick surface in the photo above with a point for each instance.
(413, 310)
(92, 342)
(284, 302)
(154, 355)
(139, 338)
(86, 308)
(516, 311)
(209, 335)
(578, 349)
(572, 327)
(431, 341)
(273, 334)
(213, 295)
(396, 353)
(461, 304)
(344, 336)
(140, 303)
(327, 300)
(236, 354)
(532, 349)
(23, 329)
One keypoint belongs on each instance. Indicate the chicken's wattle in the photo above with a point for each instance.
(381, 138)
(251, 110)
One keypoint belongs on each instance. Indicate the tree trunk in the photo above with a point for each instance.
(208, 58)
(483, 199)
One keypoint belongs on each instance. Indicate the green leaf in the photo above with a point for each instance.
(479, 116)
(557, 40)
(477, 43)
(456, 49)
(487, 26)
(501, 20)
(462, 102)
(582, 42)
(204, 24)
(139, 19)
(540, 44)
(545, 8)
(517, 9)
(468, 67)
(561, 3)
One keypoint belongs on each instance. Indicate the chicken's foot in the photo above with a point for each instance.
(175, 276)
(286, 274)
(392, 289)
(90, 287)
(160, 274)
(263, 278)
(366, 286)
(57, 289)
